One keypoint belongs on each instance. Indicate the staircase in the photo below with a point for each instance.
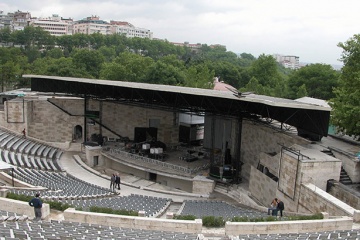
(239, 194)
(344, 177)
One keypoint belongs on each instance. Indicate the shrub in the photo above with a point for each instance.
(211, 221)
(240, 219)
(53, 204)
(113, 211)
(185, 217)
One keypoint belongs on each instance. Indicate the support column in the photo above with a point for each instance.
(85, 120)
(238, 163)
(212, 159)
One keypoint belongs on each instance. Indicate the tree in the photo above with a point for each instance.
(319, 81)
(346, 103)
(199, 76)
(90, 60)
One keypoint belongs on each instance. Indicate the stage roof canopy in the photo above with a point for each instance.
(308, 117)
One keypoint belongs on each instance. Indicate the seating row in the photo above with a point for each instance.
(152, 206)
(71, 230)
(59, 185)
(217, 209)
(352, 234)
(12, 142)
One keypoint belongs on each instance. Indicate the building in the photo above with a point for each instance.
(287, 61)
(21, 20)
(92, 25)
(195, 47)
(5, 20)
(129, 30)
(55, 25)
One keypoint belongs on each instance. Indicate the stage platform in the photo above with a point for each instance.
(185, 161)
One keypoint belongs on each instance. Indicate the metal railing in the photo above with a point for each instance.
(118, 153)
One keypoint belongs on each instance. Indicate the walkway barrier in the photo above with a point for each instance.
(117, 153)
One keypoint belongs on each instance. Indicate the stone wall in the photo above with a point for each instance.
(305, 226)
(316, 200)
(144, 223)
(351, 164)
(124, 118)
(258, 138)
(346, 194)
(22, 208)
(262, 187)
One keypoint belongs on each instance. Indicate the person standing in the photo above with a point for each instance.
(117, 181)
(112, 182)
(37, 204)
(280, 207)
(24, 133)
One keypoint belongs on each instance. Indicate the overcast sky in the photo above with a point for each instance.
(310, 29)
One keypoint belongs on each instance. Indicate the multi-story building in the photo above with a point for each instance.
(6, 20)
(195, 47)
(55, 25)
(129, 30)
(92, 25)
(291, 62)
(21, 20)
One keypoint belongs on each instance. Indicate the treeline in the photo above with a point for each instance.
(115, 57)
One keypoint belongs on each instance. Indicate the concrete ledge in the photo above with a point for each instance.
(184, 226)
(304, 226)
(22, 208)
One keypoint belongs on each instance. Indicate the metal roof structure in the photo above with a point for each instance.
(308, 117)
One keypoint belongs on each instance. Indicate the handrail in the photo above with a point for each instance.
(119, 153)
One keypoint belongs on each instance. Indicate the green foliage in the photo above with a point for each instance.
(53, 204)
(318, 79)
(211, 221)
(184, 217)
(113, 211)
(346, 103)
(315, 216)
(240, 219)
(273, 218)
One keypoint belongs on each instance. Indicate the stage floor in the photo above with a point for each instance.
(194, 158)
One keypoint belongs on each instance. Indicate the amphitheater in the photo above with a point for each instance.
(56, 160)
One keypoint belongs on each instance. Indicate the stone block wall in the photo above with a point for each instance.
(316, 200)
(318, 172)
(262, 187)
(144, 223)
(22, 208)
(305, 226)
(258, 138)
(350, 163)
(346, 195)
(124, 118)
(51, 124)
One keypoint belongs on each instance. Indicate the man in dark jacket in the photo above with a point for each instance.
(37, 204)
(280, 207)
(117, 181)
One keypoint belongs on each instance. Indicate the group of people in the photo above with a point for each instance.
(115, 182)
(276, 206)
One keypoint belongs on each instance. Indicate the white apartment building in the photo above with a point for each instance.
(129, 30)
(92, 25)
(21, 20)
(291, 62)
(55, 25)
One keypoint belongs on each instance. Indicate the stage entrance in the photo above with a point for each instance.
(152, 176)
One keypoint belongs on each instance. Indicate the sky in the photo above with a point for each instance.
(310, 29)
